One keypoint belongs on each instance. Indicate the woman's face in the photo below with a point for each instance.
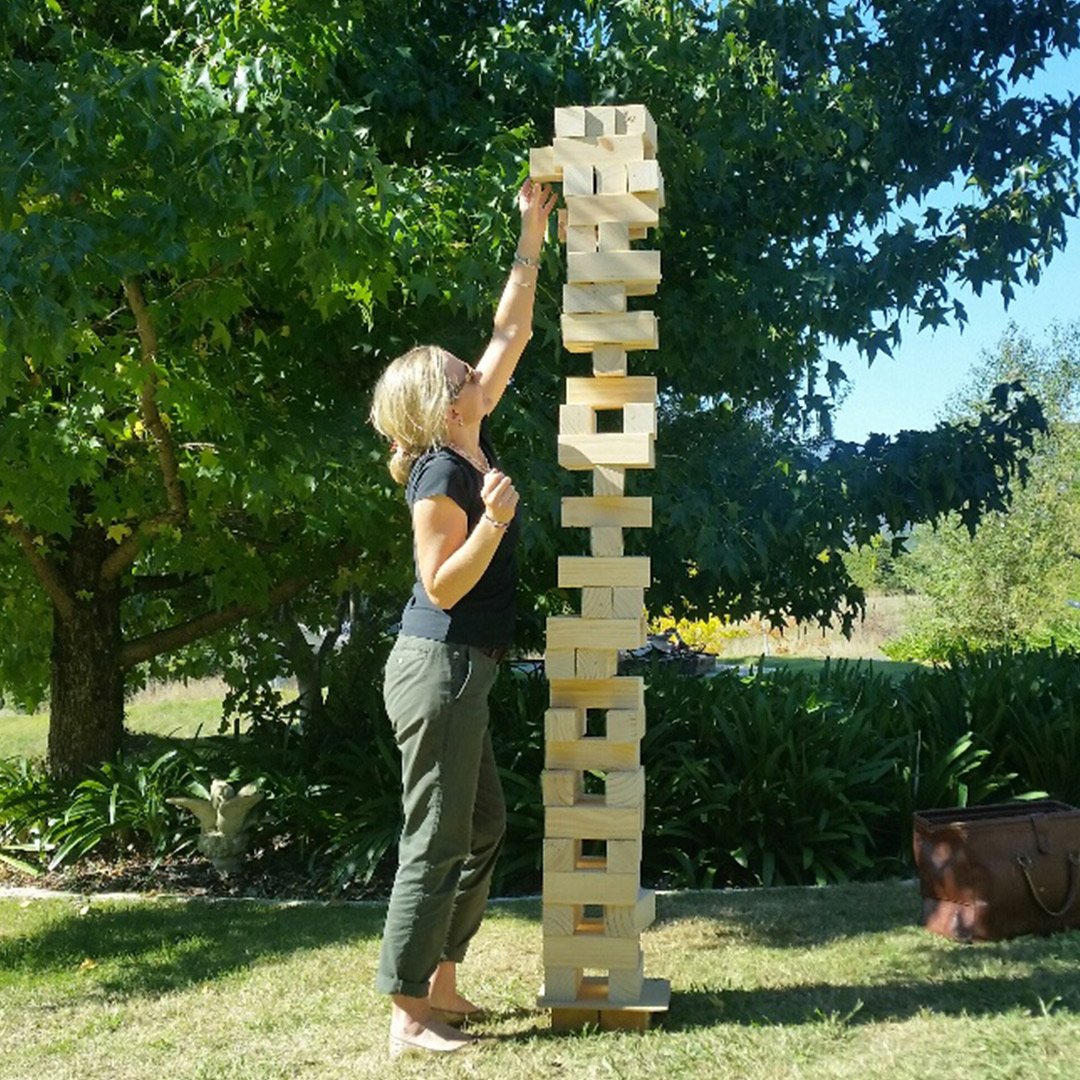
(467, 398)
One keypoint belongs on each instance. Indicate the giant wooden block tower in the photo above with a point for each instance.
(593, 782)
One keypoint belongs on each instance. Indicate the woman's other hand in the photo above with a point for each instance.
(499, 496)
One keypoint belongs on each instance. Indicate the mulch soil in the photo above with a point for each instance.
(266, 875)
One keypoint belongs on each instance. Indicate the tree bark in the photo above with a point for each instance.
(86, 711)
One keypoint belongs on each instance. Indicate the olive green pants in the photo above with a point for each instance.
(455, 816)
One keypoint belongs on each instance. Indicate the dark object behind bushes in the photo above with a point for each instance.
(771, 778)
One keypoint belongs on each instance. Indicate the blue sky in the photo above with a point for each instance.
(909, 390)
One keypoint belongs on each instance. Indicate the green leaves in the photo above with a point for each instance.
(304, 191)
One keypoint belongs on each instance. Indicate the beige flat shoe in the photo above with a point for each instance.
(405, 1044)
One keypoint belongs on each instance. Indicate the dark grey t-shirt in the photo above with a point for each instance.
(484, 615)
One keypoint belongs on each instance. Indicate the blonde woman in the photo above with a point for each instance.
(455, 628)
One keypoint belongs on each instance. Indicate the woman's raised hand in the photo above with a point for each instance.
(499, 496)
(535, 201)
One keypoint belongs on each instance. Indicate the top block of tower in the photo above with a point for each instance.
(595, 122)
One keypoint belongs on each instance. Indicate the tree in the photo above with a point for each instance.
(219, 219)
(1008, 585)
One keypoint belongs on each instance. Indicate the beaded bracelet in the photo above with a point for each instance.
(526, 260)
(497, 524)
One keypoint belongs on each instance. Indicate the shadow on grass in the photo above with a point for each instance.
(795, 917)
(154, 949)
(1030, 994)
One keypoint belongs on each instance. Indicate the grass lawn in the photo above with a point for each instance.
(816, 983)
(179, 716)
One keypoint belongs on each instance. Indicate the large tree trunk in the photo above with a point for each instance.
(86, 713)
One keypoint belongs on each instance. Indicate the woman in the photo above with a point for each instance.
(454, 630)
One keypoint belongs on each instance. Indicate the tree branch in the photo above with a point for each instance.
(151, 417)
(47, 572)
(127, 551)
(173, 637)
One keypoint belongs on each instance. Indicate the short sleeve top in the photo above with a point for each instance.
(485, 615)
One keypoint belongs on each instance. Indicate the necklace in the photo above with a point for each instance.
(482, 467)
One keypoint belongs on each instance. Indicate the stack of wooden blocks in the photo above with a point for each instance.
(594, 785)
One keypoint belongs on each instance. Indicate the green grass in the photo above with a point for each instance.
(787, 983)
(180, 717)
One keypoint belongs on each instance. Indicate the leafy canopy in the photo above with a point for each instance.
(219, 218)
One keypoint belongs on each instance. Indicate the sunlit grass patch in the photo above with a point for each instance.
(836, 982)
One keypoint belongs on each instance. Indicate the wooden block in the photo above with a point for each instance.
(634, 209)
(565, 1020)
(609, 361)
(624, 857)
(582, 238)
(599, 150)
(616, 1019)
(617, 448)
(606, 543)
(623, 788)
(630, 921)
(640, 418)
(561, 787)
(577, 572)
(570, 121)
(542, 167)
(578, 180)
(562, 983)
(643, 176)
(613, 236)
(596, 663)
(608, 480)
(589, 886)
(591, 951)
(626, 984)
(625, 724)
(577, 420)
(571, 632)
(610, 393)
(561, 856)
(613, 511)
(607, 299)
(593, 822)
(613, 266)
(560, 664)
(592, 862)
(561, 920)
(593, 993)
(603, 120)
(622, 759)
(637, 232)
(636, 119)
(627, 603)
(612, 179)
(564, 725)
(595, 604)
(584, 331)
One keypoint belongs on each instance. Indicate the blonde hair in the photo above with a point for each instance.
(409, 406)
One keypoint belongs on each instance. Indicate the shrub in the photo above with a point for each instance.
(771, 778)
(764, 779)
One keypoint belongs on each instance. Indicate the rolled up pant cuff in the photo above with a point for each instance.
(401, 986)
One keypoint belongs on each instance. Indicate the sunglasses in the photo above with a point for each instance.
(471, 376)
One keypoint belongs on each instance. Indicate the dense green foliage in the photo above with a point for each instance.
(770, 778)
(218, 219)
(1008, 584)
